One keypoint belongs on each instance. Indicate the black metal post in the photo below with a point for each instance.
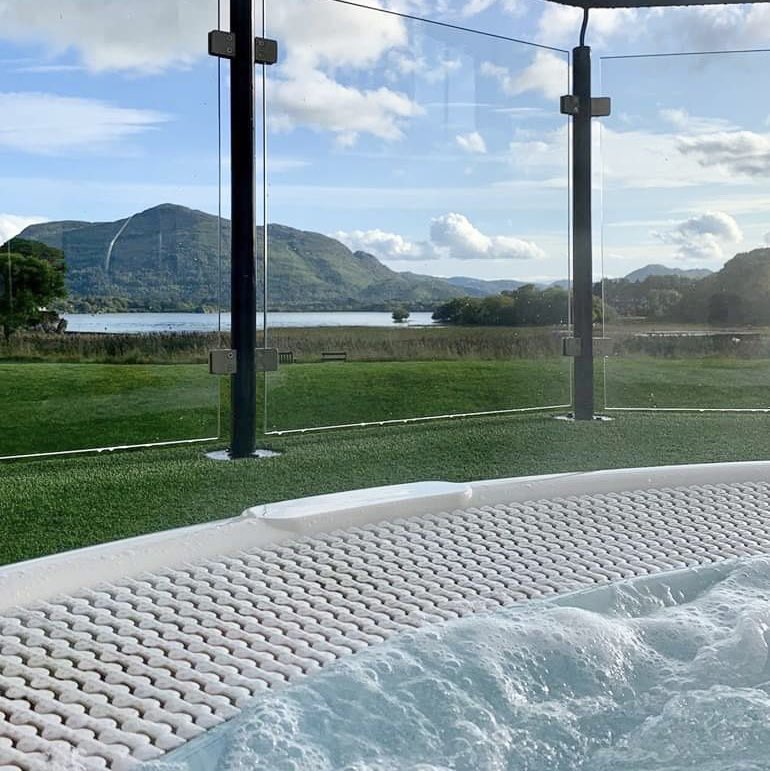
(582, 278)
(243, 302)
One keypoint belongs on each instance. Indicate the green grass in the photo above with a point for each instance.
(305, 395)
(706, 383)
(52, 407)
(52, 505)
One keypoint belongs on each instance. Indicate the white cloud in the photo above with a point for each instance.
(637, 158)
(709, 28)
(332, 35)
(682, 120)
(318, 101)
(12, 224)
(560, 24)
(401, 62)
(463, 241)
(739, 152)
(320, 38)
(317, 39)
(49, 123)
(474, 7)
(547, 151)
(385, 246)
(702, 237)
(547, 75)
(645, 159)
(452, 236)
(472, 143)
(143, 35)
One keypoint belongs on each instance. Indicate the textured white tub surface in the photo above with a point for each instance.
(123, 652)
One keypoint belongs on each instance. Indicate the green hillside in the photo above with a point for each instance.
(166, 258)
(738, 294)
(640, 274)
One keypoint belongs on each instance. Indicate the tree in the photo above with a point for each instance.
(525, 306)
(28, 283)
(400, 314)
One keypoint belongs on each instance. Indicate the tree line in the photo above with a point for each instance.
(737, 295)
(526, 306)
(31, 278)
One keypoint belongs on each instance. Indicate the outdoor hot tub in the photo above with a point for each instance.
(539, 622)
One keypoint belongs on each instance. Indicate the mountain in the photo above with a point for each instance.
(661, 270)
(481, 287)
(738, 294)
(165, 258)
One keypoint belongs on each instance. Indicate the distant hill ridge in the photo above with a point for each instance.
(166, 258)
(661, 270)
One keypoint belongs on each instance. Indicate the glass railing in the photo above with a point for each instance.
(110, 155)
(685, 232)
(415, 171)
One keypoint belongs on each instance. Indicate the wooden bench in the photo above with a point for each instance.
(334, 356)
(286, 357)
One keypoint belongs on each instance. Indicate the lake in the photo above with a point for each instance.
(130, 323)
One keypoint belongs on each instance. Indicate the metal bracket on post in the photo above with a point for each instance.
(265, 51)
(266, 359)
(222, 44)
(222, 362)
(573, 346)
(601, 106)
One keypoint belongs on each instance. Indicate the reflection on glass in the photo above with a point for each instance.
(410, 164)
(109, 158)
(686, 294)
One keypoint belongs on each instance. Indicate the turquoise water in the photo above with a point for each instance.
(667, 673)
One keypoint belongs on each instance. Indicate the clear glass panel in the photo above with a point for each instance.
(109, 157)
(409, 164)
(685, 162)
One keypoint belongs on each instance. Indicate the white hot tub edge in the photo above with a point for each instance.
(259, 526)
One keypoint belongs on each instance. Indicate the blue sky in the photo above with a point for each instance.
(441, 151)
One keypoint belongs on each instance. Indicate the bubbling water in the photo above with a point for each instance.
(670, 672)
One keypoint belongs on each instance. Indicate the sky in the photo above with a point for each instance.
(439, 150)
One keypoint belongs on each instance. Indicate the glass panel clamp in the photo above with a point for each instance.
(601, 106)
(223, 361)
(265, 51)
(222, 44)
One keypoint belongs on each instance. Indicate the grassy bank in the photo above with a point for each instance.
(307, 344)
(53, 407)
(58, 504)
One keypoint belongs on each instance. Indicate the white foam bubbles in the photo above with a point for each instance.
(671, 672)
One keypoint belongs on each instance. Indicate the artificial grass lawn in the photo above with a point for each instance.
(62, 503)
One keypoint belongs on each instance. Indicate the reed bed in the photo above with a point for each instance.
(306, 345)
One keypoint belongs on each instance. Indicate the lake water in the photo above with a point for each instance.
(128, 323)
